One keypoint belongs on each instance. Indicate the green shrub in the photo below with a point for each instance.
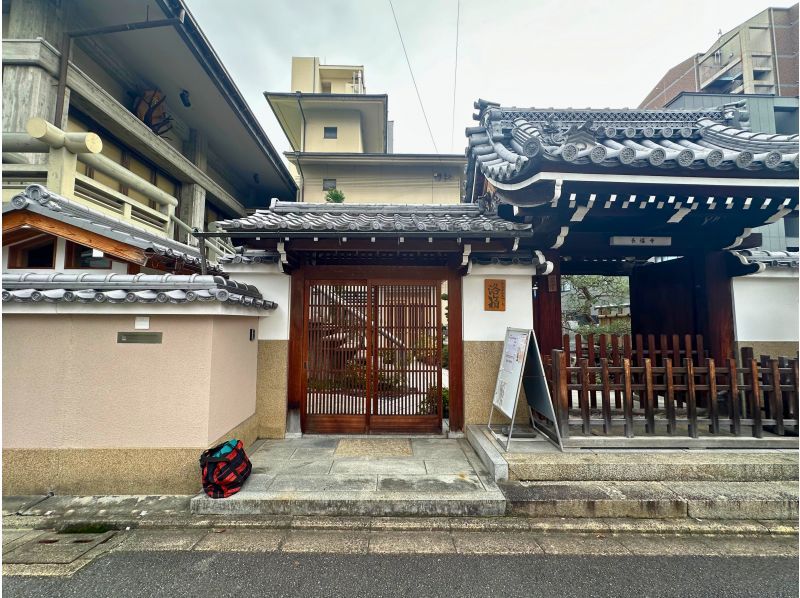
(428, 405)
(334, 196)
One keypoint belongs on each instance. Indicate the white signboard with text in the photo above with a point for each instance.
(509, 378)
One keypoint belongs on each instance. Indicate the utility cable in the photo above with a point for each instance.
(455, 78)
(410, 70)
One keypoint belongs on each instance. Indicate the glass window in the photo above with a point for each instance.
(331, 132)
(80, 257)
(328, 184)
(36, 253)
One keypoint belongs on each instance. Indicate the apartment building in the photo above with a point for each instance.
(341, 138)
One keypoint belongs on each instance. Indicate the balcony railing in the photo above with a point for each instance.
(59, 173)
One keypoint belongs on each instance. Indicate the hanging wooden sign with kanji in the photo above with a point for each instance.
(494, 294)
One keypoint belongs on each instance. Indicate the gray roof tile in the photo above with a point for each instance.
(129, 288)
(511, 144)
(290, 218)
(40, 200)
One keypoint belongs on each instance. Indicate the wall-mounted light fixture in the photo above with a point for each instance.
(185, 98)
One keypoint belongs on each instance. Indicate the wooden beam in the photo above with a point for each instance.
(18, 220)
(547, 307)
(408, 245)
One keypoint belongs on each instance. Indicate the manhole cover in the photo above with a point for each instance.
(55, 549)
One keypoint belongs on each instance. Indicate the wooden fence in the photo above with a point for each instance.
(635, 348)
(658, 398)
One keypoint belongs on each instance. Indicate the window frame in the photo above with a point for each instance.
(72, 256)
(326, 130)
(328, 188)
(15, 252)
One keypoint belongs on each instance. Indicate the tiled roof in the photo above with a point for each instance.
(251, 256)
(129, 288)
(511, 144)
(40, 200)
(290, 218)
(770, 259)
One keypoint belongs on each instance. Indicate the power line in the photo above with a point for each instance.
(455, 78)
(410, 70)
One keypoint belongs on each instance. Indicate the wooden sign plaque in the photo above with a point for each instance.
(494, 294)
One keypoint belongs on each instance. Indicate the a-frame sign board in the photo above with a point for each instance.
(521, 367)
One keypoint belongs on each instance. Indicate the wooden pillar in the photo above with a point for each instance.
(713, 296)
(193, 197)
(547, 307)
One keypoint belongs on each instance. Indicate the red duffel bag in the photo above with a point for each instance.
(224, 468)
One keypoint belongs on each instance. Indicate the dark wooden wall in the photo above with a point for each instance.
(690, 295)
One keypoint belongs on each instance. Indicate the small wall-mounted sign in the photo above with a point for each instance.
(641, 241)
(149, 338)
(494, 294)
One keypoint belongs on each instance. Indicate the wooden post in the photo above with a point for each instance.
(547, 307)
(583, 397)
(714, 304)
(669, 396)
(691, 398)
(777, 397)
(733, 401)
(616, 363)
(755, 399)
(591, 357)
(560, 375)
(627, 398)
(713, 408)
(649, 409)
(606, 395)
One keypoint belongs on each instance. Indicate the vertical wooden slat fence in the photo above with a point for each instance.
(655, 396)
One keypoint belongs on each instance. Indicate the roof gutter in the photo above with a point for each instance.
(302, 148)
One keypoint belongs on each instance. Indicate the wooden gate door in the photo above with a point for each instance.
(373, 356)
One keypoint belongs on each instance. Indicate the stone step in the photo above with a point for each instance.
(352, 504)
(654, 466)
(654, 500)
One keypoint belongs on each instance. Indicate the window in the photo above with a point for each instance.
(39, 252)
(81, 257)
(328, 184)
(331, 132)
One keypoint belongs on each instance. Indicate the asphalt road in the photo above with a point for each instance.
(193, 574)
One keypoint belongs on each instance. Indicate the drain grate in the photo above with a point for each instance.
(55, 549)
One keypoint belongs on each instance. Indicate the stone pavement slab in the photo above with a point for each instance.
(446, 483)
(325, 541)
(243, 540)
(411, 543)
(394, 466)
(157, 540)
(496, 543)
(323, 483)
(54, 549)
(377, 448)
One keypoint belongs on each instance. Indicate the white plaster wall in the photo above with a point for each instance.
(480, 325)
(766, 306)
(275, 286)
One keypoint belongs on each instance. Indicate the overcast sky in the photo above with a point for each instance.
(588, 53)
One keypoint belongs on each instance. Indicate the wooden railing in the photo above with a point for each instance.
(666, 399)
(636, 348)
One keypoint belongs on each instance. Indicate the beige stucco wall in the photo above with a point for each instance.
(349, 136)
(271, 388)
(68, 383)
(83, 414)
(232, 396)
(481, 364)
(305, 74)
(386, 183)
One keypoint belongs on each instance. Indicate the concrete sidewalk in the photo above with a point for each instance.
(362, 476)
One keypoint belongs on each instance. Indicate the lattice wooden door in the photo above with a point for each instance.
(373, 356)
